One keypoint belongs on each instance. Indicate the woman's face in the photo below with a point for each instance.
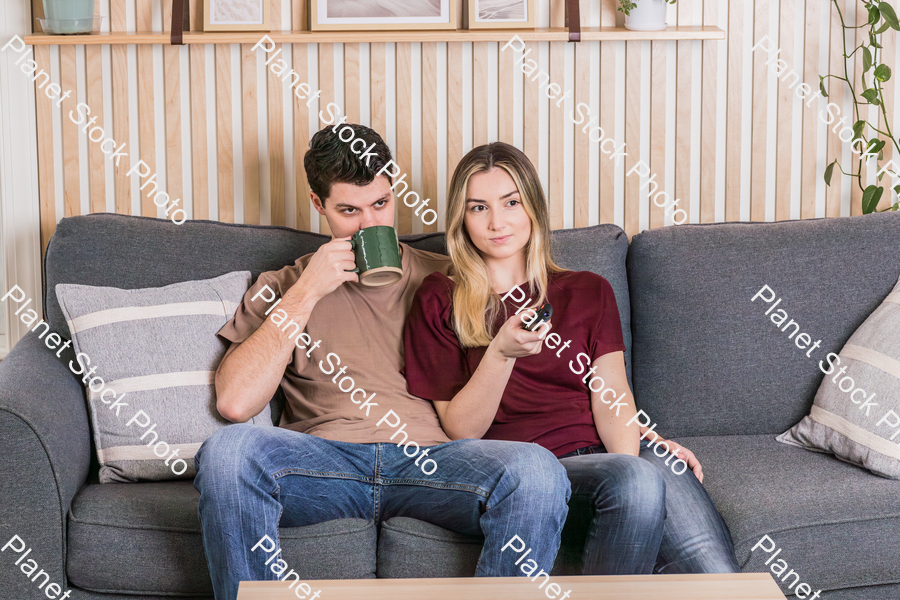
(495, 217)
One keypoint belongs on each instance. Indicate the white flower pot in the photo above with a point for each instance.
(648, 15)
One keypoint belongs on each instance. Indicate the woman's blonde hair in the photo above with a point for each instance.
(475, 304)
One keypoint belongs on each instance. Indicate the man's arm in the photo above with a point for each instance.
(251, 371)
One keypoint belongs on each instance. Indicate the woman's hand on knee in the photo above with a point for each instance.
(687, 456)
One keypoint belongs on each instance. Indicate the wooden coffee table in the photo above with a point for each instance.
(741, 586)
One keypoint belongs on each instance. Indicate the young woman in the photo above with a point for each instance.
(468, 352)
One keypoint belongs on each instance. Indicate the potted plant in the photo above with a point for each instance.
(68, 16)
(644, 15)
(874, 74)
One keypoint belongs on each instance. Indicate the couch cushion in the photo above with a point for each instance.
(139, 252)
(409, 548)
(842, 420)
(131, 252)
(602, 250)
(158, 347)
(145, 538)
(837, 525)
(707, 361)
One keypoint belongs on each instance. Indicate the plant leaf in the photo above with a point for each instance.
(626, 6)
(873, 41)
(871, 95)
(858, 129)
(890, 17)
(874, 15)
(882, 73)
(875, 145)
(870, 198)
(829, 171)
(822, 87)
(867, 59)
(897, 189)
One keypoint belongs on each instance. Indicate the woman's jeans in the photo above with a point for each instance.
(253, 480)
(610, 490)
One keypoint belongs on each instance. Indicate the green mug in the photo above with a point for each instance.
(377, 256)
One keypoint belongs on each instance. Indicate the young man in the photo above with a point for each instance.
(337, 452)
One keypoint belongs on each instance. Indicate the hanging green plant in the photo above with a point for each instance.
(874, 74)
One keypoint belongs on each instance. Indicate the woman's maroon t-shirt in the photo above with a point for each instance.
(545, 400)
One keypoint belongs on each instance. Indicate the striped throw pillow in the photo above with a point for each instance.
(856, 412)
(147, 359)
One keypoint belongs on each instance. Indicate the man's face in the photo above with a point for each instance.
(350, 207)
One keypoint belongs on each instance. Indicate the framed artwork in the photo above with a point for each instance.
(501, 14)
(346, 15)
(236, 15)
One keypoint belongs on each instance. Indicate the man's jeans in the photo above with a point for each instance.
(694, 539)
(254, 479)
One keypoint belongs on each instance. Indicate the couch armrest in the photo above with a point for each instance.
(45, 449)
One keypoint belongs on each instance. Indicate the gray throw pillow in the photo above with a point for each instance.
(147, 359)
(856, 412)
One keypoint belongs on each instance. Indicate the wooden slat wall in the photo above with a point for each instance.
(721, 134)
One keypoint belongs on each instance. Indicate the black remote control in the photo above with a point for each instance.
(542, 315)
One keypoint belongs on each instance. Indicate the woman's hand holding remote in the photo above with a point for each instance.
(512, 341)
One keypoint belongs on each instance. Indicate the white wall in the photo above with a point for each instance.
(20, 253)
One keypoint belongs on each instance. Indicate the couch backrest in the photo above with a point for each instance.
(707, 360)
(139, 252)
(601, 249)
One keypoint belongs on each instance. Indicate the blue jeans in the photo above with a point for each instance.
(619, 502)
(253, 480)
(695, 538)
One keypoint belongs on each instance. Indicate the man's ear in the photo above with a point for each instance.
(317, 203)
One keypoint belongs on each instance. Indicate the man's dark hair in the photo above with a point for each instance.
(331, 160)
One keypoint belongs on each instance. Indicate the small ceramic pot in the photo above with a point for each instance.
(69, 16)
(647, 15)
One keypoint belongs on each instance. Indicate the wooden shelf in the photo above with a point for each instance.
(550, 34)
(607, 34)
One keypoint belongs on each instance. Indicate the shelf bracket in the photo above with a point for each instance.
(180, 8)
(573, 20)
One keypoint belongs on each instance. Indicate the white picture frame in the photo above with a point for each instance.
(236, 15)
(501, 14)
(408, 14)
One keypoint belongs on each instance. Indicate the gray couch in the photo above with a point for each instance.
(706, 365)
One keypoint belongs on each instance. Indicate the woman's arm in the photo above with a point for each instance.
(471, 411)
(615, 435)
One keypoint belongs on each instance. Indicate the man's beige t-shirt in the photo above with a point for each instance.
(363, 328)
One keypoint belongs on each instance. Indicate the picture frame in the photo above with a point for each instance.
(236, 15)
(414, 14)
(479, 11)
